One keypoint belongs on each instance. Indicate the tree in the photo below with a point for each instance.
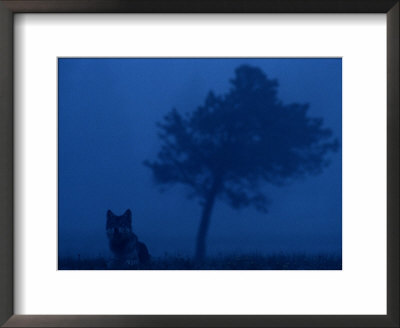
(234, 144)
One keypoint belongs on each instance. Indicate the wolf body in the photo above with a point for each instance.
(124, 244)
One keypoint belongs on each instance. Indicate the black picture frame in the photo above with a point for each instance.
(10, 7)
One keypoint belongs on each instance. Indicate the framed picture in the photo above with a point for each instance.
(223, 224)
(164, 166)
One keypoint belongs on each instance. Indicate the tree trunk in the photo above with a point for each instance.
(205, 222)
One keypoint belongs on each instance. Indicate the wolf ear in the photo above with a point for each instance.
(128, 213)
(109, 213)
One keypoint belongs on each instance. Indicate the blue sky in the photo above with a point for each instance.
(108, 109)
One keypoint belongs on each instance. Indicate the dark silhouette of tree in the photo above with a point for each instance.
(232, 145)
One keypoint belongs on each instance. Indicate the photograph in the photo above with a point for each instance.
(199, 163)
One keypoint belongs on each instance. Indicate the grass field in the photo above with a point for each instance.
(239, 262)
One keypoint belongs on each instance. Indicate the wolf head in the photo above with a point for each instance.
(119, 224)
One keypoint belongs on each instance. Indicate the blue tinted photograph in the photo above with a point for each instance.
(199, 164)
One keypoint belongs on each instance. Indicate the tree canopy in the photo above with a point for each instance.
(243, 138)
